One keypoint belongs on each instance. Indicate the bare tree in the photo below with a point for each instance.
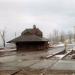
(15, 34)
(56, 40)
(70, 36)
(62, 37)
(3, 37)
(50, 37)
(54, 37)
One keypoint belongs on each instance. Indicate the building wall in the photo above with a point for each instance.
(31, 46)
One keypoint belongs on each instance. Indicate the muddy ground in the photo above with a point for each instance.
(30, 63)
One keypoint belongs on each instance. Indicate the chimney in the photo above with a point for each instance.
(34, 26)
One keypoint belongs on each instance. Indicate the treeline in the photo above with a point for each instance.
(55, 37)
(60, 37)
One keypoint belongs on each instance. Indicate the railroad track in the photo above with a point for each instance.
(61, 55)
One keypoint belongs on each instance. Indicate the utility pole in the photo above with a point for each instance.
(65, 45)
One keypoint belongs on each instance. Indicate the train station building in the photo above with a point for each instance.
(31, 39)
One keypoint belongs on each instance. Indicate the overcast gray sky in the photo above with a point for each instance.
(17, 15)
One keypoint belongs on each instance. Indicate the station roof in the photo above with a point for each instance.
(29, 38)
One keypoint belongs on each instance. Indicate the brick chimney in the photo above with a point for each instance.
(34, 31)
(34, 26)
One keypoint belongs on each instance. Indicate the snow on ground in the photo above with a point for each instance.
(60, 56)
(5, 50)
(59, 45)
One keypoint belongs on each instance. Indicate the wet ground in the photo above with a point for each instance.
(31, 63)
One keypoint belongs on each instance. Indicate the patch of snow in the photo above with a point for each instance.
(5, 50)
(58, 45)
(60, 56)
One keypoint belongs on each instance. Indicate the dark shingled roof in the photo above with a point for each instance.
(32, 31)
(26, 38)
(27, 30)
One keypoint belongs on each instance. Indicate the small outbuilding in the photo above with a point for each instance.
(31, 39)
